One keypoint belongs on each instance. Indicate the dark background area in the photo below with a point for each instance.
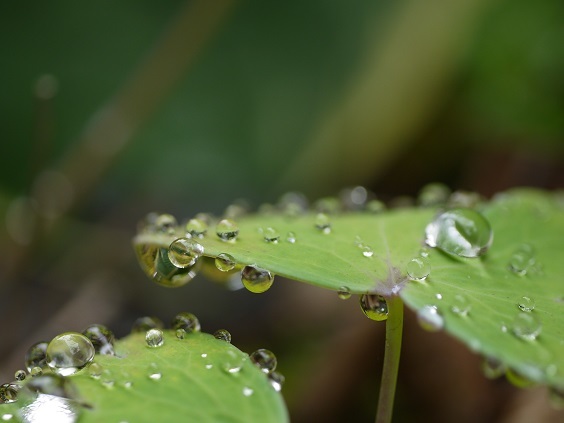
(110, 110)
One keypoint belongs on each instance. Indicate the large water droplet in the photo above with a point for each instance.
(101, 337)
(255, 279)
(155, 262)
(222, 335)
(186, 321)
(460, 305)
(526, 304)
(227, 230)
(430, 319)
(145, 323)
(184, 252)
(36, 356)
(50, 408)
(271, 235)
(462, 232)
(527, 326)
(154, 338)
(344, 293)
(225, 262)
(196, 228)
(276, 380)
(9, 392)
(418, 269)
(265, 360)
(434, 194)
(323, 223)
(374, 307)
(69, 352)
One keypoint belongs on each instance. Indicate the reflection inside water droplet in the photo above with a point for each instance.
(264, 359)
(227, 230)
(323, 223)
(222, 335)
(186, 321)
(374, 307)
(256, 280)
(418, 269)
(344, 293)
(225, 262)
(69, 352)
(154, 338)
(526, 304)
(430, 319)
(184, 252)
(271, 235)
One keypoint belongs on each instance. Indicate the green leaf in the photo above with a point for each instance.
(493, 291)
(194, 384)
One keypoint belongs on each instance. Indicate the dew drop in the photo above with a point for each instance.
(344, 293)
(526, 304)
(276, 380)
(108, 383)
(271, 235)
(166, 224)
(36, 356)
(526, 326)
(460, 305)
(69, 352)
(9, 392)
(101, 337)
(222, 335)
(145, 323)
(291, 237)
(462, 232)
(227, 230)
(493, 368)
(367, 251)
(374, 307)
(20, 375)
(522, 260)
(186, 321)
(196, 228)
(36, 371)
(233, 362)
(265, 360)
(323, 223)
(418, 269)
(184, 252)
(430, 319)
(225, 262)
(256, 279)
(95, 370)
(156, 264)
(434, 194)
(247, 391)
(154, 338)
(180, 333)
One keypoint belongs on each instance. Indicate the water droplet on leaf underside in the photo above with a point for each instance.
(225, 262)
(374, 307)
(255, 279)
(344, 293)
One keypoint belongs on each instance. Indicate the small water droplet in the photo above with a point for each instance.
(196, 228)
(186, 321)
(271, 235)
(418, 269)
(95, 370)
(276, 380)
(354, 198)
(108, 383)
(143, 324)
(323, 223)
(225, 262)
(154, 338)
(36, 356)
(247, 391)
(184, 252)
(264, 359)
(503, 327)
(227, 230)
(432, 195)
(439, 296)
(20, 375)
(462, 232)
(222, 335)
(101, 337)
(127, 384)
(522, 260)
(209, 366)
(460, 305)
(493, 368)
(233, 362)
(154, 372)
(203, 355)
(344, 293)
(9, 392)
(291, 237)
(36, 371)
(69, 352)
(293, 204)
(527, 326)
(526, 304)
(180, 333)
(430, 319)
(374, 307)
(328, 205)
(255, 279)
(367, 251)
(166, 224)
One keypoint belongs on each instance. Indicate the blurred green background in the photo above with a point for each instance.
(110, 110)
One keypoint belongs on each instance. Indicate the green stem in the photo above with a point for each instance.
(394, 327)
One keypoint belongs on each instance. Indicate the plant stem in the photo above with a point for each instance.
(394, 327)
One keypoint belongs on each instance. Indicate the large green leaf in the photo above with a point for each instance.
(491, 290)
(190, 382)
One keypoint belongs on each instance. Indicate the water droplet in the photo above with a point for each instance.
(522, 260)
(493, 368)
(418, 269)
(36, 371)
(264, 359)
(9, 392)
(462, 232)
(145, 323)
(271, 235)
(95, 370)
(247, 391)
(69, 352)
(102, 338)
(460, 305)
(36, 356)
(375, 206)
(323, 223)
(367, 251)
(154, 338)
(374, 307)
(154, 372)
(184, 252)
(222, 335)
(225, 262)
(527, 326)
(255, 279)
(344, 293)
(155, 262)
(196, 228)
(52, 408)
(291, 237)
(108, 383)
(434, 194)
(276, 380)
(180, 333)
(227, 230)
(7, 417)
(233, 362)
(186, 321)
(166, 224)
(439, 296)
(354, 198)
(127, 384)
(430, 319)
(464, 199)
(20, 375)
(526, 304)
(209, 366)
